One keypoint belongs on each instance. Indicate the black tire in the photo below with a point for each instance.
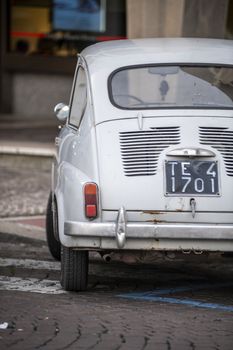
(53, 244)
(74, 269)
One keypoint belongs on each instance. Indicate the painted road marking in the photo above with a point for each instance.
(31, 264)
(35, 285)
(156, 296)
(32, 285)
(181, 289)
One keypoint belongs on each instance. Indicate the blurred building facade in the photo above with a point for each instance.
(39, 40)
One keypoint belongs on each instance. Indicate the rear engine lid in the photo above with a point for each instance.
(144, 169)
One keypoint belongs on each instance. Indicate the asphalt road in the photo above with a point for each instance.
(177, 303)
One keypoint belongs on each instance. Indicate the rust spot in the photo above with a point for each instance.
(155, 221)
(179, 210)
(153, 212)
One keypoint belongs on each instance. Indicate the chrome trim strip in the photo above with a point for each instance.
(190, 152)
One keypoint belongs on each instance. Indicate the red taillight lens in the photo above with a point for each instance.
(91, 200)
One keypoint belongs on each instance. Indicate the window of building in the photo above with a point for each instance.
(30, 24)
(63, 27)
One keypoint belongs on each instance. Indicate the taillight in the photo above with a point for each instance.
(91, 200)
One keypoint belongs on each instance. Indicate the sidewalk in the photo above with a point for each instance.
(27, 136)
(27, 227)
(26, 151)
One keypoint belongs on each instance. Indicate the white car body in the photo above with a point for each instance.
(134, 210)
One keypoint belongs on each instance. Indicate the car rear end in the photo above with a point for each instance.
(162, 151)
(168, 186)
(166, 165)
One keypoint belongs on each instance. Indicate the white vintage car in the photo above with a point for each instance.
(145, 158)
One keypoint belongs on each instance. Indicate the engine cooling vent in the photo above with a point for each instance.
(140, 150)
(221, 139)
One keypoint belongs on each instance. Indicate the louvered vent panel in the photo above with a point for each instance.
(222, 139)
(140, 150)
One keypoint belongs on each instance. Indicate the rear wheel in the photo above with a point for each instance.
(74, 269)
(53, 244)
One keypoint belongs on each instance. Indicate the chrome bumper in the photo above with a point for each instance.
(121, 235)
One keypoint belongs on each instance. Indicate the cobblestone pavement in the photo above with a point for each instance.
(100, 318)
(107, 316)
(24, 185)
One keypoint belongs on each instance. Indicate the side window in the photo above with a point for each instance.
(79, 98)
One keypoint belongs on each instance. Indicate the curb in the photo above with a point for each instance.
(13, 226)
(28, 150)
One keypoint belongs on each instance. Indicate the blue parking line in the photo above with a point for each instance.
(193, 303)
(155, 295)
(159, 292)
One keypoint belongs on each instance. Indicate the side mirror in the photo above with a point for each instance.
(62, 111)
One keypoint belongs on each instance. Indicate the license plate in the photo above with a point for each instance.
(192, 177)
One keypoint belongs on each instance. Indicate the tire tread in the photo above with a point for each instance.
(53, 245)
(74, 269)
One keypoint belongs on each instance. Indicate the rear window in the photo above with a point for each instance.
(150, 87)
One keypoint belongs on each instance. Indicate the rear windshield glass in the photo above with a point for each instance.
(149, 87)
